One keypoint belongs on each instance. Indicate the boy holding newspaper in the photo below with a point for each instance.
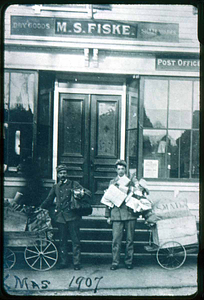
(121, 213)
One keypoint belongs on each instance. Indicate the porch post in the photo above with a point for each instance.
(123, 121)
(55, 130)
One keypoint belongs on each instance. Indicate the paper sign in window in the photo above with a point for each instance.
(151, 167)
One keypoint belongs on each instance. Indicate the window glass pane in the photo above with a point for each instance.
(155, 103)
(185, 154)
(106, 136)
(154, 149)
(132, 111)
(5, 142)
(196, 104)
(132, 150)
(20, 143)
(6, 96)
(44, 137)
(195, 155)
(180, 104)
(174, 152)
(21, 97)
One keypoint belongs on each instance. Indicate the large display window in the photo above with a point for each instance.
(169, 147)
(20, 93)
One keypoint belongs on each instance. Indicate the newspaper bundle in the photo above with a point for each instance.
(113, 196)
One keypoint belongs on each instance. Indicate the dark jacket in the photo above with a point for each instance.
(122, 213)
(62, 193)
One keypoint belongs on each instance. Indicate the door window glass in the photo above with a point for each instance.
(72, 126)
(106, 129)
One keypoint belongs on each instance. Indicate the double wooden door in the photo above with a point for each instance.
(89, 139)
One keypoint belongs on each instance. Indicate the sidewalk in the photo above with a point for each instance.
(146, 279)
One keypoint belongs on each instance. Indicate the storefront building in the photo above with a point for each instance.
(85, 85)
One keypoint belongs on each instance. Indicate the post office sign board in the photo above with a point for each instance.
(178, 64)
(49, 26)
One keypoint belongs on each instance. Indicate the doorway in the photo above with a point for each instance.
(89, 127)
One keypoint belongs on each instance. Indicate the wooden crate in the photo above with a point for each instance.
(182, 230)
(14, 220)
(22, 239)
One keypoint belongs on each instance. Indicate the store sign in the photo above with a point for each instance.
(158, 32)
(40, 26)
(178, 64)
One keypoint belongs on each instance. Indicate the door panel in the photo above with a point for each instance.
(105, 133)
(74, 135)
(89, 139)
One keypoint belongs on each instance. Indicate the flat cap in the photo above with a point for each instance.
(121, 163)
(61, 167)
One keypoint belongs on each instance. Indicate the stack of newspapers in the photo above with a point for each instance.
(116, 195)
(113, 196)
(137, 205)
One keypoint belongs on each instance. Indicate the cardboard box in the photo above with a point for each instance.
(182, 230)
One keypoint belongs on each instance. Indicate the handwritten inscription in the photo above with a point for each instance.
(87, 282)
(25, 283)
(76, 283)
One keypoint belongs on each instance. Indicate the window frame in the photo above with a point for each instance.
(141, 128)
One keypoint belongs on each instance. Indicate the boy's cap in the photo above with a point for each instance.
(121, 162)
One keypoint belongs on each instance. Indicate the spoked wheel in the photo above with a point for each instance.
(9, 259)
(42, 255)
(171, 255)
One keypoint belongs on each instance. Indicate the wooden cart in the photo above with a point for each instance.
(172, 239)
(40, 252)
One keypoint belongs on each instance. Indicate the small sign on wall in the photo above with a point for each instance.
(178, 64)
(151, 168)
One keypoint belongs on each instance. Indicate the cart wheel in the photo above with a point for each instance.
(171, 255)
(9, 259)
(42, 255)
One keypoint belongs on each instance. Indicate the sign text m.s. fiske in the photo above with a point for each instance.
(49, 26)
(102, 28)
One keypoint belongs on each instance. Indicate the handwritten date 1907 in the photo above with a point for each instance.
(87, 281)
